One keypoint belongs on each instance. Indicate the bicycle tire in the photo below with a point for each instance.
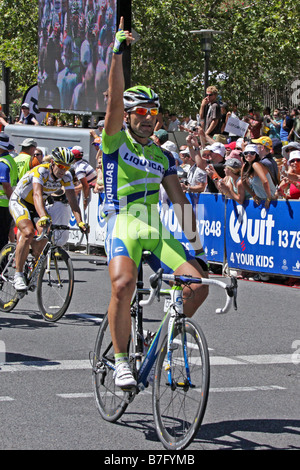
(55, 285)
(8, 295)
(178, 411)
(111, 401)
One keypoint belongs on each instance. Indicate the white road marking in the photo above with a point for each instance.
(247, 389)
(31, 366)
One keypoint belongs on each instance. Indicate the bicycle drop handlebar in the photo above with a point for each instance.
(52, 228)
(157, 278)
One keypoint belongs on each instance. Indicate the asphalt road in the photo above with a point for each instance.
(46, 396)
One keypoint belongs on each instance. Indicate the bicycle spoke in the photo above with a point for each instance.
(179, 407)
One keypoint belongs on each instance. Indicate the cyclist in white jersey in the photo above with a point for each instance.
(141, 119)
(27, 204)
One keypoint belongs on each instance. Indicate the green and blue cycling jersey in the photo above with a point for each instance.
(132, 174)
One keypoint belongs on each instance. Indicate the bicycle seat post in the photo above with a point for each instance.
(139, 314)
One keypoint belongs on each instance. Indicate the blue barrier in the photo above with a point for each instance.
(247, 237)
(263, 240)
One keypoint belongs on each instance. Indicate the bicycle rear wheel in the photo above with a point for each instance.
(55, 284)
(8, 295)
(111, 401)
(179, 408)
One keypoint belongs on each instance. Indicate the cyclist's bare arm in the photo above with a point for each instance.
(37, 192)
(115, 108)
(183, 210)
(72, 199)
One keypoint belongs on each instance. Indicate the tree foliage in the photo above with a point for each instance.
(260, 45)
(19, 42)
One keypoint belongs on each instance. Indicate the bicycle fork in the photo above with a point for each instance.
(176, 314)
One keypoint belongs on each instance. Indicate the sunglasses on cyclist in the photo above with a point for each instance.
(143, 111)
(62, 167)
(249, 153)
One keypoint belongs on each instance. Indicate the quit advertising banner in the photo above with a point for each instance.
(210, 216)
(263, 240)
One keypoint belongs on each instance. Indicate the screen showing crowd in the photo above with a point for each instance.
(75, 50)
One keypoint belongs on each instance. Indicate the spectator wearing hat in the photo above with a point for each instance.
(27, 159)
(27, 117)
(265, 146)
(237, 154)
(8, 180)
(232, 185)
(256, 178)
(213, 165)
(160, 137)
(289, 186)
(85, 174)
(100, 127)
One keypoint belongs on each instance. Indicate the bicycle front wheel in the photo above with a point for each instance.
(8, 295)
(111, 400)
(55, 284)
(180, 389)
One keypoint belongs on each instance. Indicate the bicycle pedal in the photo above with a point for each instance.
(21, 294)
(132, 388)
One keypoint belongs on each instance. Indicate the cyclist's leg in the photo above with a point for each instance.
(123, 275)
(200, 291)
(123, 256)
(175, 258)
(26, 234)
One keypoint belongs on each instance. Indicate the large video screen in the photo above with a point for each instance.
(75, 50)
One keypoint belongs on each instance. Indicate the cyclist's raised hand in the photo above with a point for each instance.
(121, 37)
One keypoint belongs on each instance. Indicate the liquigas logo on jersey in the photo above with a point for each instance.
(262, 240)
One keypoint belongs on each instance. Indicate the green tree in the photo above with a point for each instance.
(19, 43)
(261, 46)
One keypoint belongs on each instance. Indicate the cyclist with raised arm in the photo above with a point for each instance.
(27, 205)
(133, 169)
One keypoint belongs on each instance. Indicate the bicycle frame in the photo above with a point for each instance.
(174, 311)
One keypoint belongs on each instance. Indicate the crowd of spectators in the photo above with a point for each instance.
(263, 163)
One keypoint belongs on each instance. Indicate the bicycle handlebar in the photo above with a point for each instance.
(157, 278)
(52, 228)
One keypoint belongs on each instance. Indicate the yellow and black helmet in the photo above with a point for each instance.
(63, 155)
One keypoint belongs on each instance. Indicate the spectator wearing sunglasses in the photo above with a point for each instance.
(256, 178)
(210, 112)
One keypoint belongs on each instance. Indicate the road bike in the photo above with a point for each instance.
(51, 275)
(175, 361)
